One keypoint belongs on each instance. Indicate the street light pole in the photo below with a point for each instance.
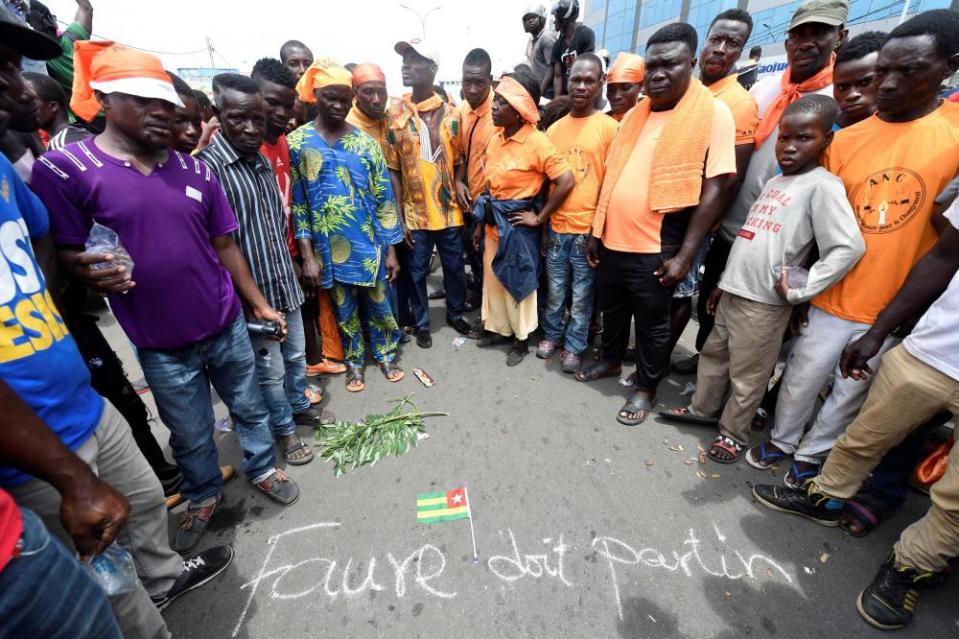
(422, 16)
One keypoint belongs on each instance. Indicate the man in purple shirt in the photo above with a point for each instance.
(181, 311)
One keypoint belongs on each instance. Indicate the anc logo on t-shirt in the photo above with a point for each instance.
(888, 199)
(578, 161)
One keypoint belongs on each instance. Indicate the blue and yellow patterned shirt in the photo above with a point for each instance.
(343, 201)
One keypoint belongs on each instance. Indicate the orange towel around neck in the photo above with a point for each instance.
(680, 155)
(790, 92)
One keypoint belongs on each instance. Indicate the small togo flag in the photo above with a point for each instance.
(432, 508)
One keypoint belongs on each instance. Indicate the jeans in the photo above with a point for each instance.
(113, 456)
(46, 593)
(109, 380)
(180, 380)
(687, 288)
(281, 369)
(403, 287)
(629, 288)
(567, 269)
(449, 243)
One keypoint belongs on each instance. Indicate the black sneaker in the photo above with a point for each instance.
(424, 339)
(804, 502)
(888, 602)
(197, 570)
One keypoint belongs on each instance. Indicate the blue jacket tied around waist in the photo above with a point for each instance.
(517, 260)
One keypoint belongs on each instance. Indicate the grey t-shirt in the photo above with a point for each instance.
(540, 51)
(791, 214)
(762, 165)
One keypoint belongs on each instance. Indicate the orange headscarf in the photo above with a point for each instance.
(113, 68)
(627, 67)
(789, 93)
(363, 73)
(324, 72)
(518, 98)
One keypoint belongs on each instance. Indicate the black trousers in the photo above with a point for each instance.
(628, 288)
(109, 380)
(713, 267)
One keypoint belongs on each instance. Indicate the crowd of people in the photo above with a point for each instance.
(276, 232)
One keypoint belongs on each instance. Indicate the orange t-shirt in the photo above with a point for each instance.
(476, 129)
(630, 225)
(742, 105)
(516, 168)
(892, 173)
(584, 142)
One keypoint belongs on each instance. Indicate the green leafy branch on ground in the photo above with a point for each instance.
(375, 437)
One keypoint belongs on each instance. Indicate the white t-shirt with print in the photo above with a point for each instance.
(935, 340)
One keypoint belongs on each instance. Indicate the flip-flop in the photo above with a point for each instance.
(392, 372)
(794, 478)
(596, 371)
(867, 511)
(766, 457)
(687, 416)
(635, 404)
(354, 379)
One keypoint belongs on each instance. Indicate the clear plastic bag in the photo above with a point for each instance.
(103, 239)
(113, 569)
(796, 276)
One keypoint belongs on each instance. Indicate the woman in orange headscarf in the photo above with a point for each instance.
(520, 161)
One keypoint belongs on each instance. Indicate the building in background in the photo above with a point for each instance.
(625, 25)
(202, 77)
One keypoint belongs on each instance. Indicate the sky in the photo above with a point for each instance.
(243, 31)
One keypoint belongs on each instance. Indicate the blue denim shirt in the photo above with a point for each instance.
(517, 261)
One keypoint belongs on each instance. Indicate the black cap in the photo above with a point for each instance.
(26, 41)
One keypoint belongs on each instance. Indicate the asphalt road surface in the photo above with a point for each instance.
(584, 527)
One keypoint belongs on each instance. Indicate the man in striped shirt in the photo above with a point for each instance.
(251, 188)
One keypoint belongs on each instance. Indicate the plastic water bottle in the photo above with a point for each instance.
(113, 569)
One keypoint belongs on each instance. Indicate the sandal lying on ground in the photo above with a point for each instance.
(725, 450)
(762, 457)
(862, 514)
(391, 371)
(687, 416)
(293, 446)
(799, 473)
(355, 381)
(599, 370)
(638, 403)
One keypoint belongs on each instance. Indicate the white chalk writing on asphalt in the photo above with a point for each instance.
(423, 569)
